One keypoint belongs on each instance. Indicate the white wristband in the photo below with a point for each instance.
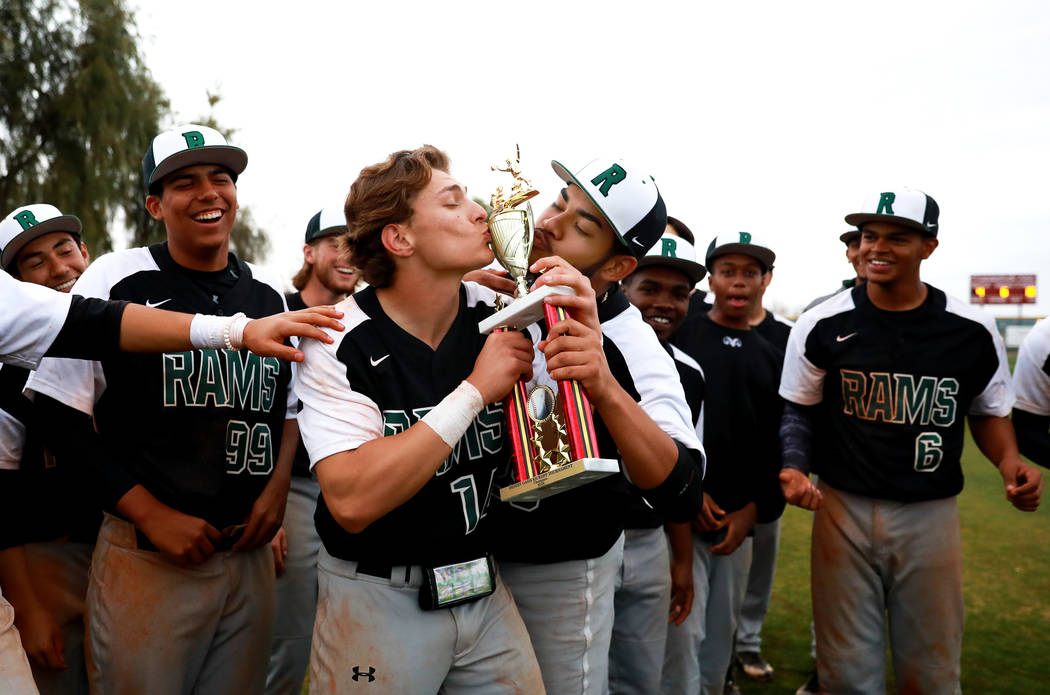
(218, 332)
(206, 331)
(452, 416)
(233, 332)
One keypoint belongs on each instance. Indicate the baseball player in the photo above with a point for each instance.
(877, 388)
(775, 329)
(1031, 416)
(45, 556)
(402, 420)
(740, 486)
(650, 580)
(325, 278)
(195, 447)
(608, 215)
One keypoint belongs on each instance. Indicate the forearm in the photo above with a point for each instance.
(365, 484)
(648, 453)
(282, 471)
(1033, 435)
(680, 537)
(995, 438)
(796, 437)
(154, 330)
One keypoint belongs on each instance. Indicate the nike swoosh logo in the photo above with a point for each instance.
(154, 304)
(375, 362)
(844, 338)
(637, 241)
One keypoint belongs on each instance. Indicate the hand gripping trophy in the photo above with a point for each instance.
(552, 452)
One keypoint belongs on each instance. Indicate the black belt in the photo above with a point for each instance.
(376, 569)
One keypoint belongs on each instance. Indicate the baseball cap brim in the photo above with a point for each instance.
(64, 223)
(233, 158)
(759, 253)
(859, 219)
(568, 177)
(692, 270)
(847, 237)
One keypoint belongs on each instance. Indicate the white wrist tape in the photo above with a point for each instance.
(452, 416)
(218, 332)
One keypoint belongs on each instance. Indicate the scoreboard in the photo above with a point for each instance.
(1002, 289)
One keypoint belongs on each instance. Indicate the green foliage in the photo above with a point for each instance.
(78, 109)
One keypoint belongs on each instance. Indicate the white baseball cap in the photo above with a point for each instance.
(30, 222)
(626, 196)
(740, 242)
(677, 253)
(188, 145)
(326, 222)
(904, 206)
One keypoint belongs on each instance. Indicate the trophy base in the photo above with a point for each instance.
(523, 311)
(567, 477)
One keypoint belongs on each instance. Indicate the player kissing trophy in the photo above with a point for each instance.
(552, 451)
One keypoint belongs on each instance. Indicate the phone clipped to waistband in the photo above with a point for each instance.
(462, 582)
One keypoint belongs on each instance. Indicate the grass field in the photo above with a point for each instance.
(1006, 583)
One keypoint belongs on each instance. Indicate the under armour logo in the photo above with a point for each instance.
(732, 342)
(359, 674)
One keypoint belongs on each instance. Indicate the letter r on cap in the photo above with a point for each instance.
(669, 248)
(26, 219)
(194, 139)
(886, 203)
(609, 178)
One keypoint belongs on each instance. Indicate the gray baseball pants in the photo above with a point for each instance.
(370, 635)
(160, 629)
(642, 601)
(759, 587)
(700, 649)
(568, 610)
(60, 570)
(293, 621)
(875, 559)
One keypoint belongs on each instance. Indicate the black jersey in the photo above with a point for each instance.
(741, 431)
(895, 387)
(377, 380)
(775, 329)
(199, 429)
(41, 497)
(585, 522)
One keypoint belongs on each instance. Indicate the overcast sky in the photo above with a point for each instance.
(769, 117)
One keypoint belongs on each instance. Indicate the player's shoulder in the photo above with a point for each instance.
(965, 311)
(479, 294)
(1037, 342)
(683, 357)
(110, 269)
(782, 320)
(266, 277)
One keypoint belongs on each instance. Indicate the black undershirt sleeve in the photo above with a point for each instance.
(1033, 435)
(796, 437)
(91, 330)
(680, 496)
(70, 435)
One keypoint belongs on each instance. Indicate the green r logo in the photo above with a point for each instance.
(745, 237)
(26, 219)
(194, 139)
(669, 248)
(609, 178)
(886, 203)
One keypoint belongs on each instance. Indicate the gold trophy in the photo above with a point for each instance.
(552, 452)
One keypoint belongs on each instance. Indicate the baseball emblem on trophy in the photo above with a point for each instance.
(551, 433)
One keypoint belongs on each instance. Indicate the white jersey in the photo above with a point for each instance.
(1032, 371)
(30, 321)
